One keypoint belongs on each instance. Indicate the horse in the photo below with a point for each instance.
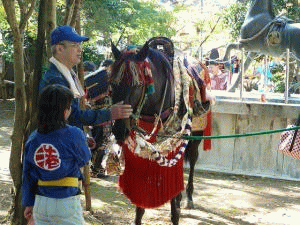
(265, 33)
(158, 103)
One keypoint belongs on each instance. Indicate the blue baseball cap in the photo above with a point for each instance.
(66, 33)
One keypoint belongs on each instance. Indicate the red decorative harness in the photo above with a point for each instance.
(145, 182)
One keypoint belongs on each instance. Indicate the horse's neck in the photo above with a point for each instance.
(162, 75)
(260, 7)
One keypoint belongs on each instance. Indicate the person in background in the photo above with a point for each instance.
(235, 62)
(108, 65)
(67, 52)
(219, 79)
(88, 67)
(100, 97)
(54, 154)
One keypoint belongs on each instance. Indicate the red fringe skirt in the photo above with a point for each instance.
(145, 182)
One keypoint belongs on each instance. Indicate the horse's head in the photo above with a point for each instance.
(128, 83)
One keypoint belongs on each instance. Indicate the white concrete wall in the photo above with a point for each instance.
(253, 155)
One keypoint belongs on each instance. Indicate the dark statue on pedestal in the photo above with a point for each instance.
(265, 33)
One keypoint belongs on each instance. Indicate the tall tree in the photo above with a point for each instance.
(113, 18)
(17, 26)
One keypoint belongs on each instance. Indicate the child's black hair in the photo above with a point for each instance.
(52, 103)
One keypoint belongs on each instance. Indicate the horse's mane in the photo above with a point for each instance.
(160, 61)
(125, 69)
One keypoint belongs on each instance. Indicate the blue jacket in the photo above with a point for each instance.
(53, 156)
(78, 117)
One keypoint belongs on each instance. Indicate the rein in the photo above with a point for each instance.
(139, 140)
(158, 118)
(159, 150)
(137, 115)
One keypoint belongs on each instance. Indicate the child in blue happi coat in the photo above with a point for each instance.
(54, 154)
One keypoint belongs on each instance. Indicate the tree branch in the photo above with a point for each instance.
(69, 11)
(26, 16)
(76, 12)
(9, 7)
(212, 30)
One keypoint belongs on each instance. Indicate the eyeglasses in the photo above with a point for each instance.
(72, 44)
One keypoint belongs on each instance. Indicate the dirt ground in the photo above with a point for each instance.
(219, 199)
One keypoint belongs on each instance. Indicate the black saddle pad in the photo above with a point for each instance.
(96, 83)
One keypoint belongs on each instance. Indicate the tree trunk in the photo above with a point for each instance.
(86, 169)
(39, 56)
(69, 12)
(50, 22)
(15, 163)
(3, 89)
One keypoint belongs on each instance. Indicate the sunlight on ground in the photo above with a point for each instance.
(4, 163)
(280, 216)
(96, 204)
(293, 188)
(3, 213)
(8, 130)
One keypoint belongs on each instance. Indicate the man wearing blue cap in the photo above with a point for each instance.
(67, 52)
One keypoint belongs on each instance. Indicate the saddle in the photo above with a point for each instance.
(165, 45)
(200, 105)
(97, 91)
(274, 36)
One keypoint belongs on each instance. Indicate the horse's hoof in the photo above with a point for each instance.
(189, 205)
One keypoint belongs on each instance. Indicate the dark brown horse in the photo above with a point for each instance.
(132, 91)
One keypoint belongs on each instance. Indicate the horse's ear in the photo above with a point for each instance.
(142, 54)
(117, 54)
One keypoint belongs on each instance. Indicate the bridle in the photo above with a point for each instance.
(134, 119)
(140, 75)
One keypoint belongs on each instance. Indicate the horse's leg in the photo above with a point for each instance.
(139, 215)
(175, 212)
(178, 200)
(249, 59)
(192, 156)
(228, 50)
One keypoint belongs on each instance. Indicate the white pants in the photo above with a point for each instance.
(58, 211)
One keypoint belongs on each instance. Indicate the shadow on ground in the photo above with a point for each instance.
(220, 199)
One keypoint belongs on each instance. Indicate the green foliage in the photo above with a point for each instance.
(278, 80)
(150, 20)
(291, 11)
(114, 19)
(3, 22)
(7, 48)
(6, 39)
(233, 18)
(279, 68)
(91, 53)
(6, 45)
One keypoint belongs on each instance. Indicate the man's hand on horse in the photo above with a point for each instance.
(120, 111)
